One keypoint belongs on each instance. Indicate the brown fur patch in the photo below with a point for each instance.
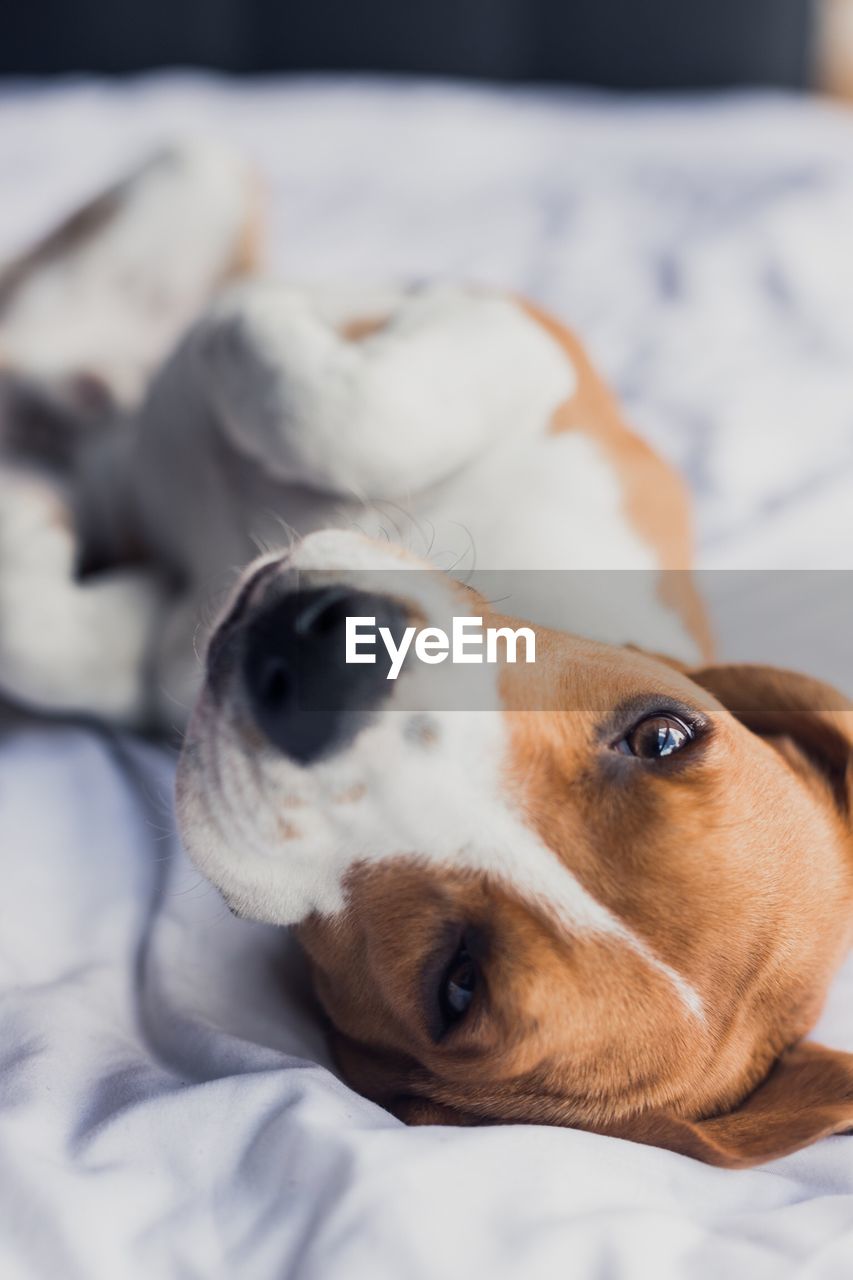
(361, 327)
(729, 865)
(655, 496)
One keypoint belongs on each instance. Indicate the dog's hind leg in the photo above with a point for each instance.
(108, 291)
(85, 315)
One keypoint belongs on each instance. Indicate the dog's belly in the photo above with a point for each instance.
(544, 519)
(539, 523)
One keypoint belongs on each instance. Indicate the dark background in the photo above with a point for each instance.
(638, 44)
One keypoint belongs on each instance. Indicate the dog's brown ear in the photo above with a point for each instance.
(808, 1095)
(414, 1110)
(386, 1078)
(809, 722)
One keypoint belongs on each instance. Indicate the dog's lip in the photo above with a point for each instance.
(204, 772)
(230, 626)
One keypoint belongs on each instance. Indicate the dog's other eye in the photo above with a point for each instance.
(656, 737)
(458, 986)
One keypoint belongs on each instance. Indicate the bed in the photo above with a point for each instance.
(167, 1106)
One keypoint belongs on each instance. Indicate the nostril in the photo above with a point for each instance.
(326, 613)
(274, 684)
(302, 692)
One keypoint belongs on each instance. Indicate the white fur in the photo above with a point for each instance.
(445, 803)
(452, 371)
(67, 646)
(552, 503)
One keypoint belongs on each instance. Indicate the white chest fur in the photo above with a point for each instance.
(433, 430)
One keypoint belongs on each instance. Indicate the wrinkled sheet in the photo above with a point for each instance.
(166, 1103)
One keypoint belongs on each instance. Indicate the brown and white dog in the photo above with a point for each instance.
(611, 897)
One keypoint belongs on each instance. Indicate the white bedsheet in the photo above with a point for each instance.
(165, 1107)
(163, 1114)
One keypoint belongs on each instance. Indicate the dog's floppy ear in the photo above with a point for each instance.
(808, 1095)
(809, 722)
(414, 1110)
(386, 1077)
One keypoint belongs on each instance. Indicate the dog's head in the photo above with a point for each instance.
(613, 897)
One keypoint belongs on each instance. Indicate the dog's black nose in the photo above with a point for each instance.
(305, 696)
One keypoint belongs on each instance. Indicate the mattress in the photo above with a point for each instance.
(167, 1106)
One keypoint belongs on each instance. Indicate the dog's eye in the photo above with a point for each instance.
(458, 986)
(656, 737)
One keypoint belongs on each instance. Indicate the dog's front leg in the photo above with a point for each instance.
(373, 397)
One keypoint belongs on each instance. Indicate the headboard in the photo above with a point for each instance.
(636, 44)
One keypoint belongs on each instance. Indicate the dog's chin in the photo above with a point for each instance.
(260, 826)
(278, 838)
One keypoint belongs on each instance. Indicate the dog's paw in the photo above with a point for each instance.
(374, 396)
(66, 646)
(111, 289)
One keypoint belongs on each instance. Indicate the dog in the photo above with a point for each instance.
(612, 892)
